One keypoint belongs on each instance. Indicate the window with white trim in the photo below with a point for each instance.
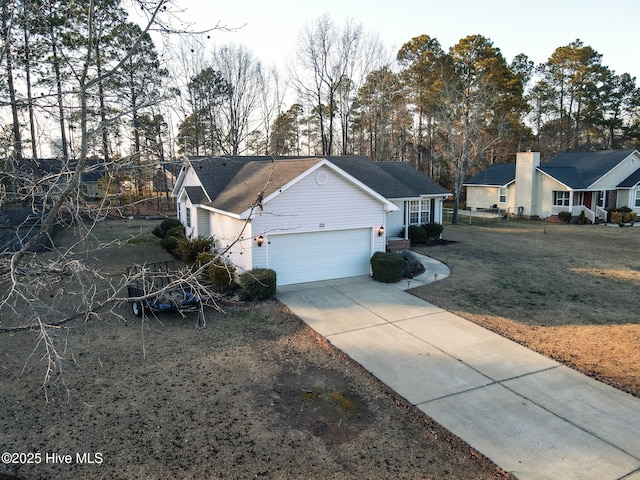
(637, 202)
(188, 217)
(419, 211)
(503, 195)
(561, 198)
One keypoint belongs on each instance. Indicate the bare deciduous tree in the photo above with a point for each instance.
(42, 291)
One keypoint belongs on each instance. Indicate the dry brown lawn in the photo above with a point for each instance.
(255, 394)
(572, 293)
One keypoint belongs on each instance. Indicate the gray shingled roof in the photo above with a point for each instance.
(497, 174)
(631, 181)
(414, 183)
(234, 183)
(579, 170)
(196, 195)
(259, 177)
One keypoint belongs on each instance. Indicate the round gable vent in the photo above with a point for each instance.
(322, 178)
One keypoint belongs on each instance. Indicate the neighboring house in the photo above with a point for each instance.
(310, 218)
(588, 182)
(37, 176)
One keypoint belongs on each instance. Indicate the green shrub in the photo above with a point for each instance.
(417, 235)
(625, 210)
(564, 216)
(221, 274)
(258, 284)
(432, 230)
(387, 267)
(189, 247)
(161, 230)
(170, 240)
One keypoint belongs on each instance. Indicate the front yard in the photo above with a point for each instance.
(572, 293)
(255, 394)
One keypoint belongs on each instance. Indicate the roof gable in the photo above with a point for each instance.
(258, 180)
(579, 170)
(196, 195)
(631, 181)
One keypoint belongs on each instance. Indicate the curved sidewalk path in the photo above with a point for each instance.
(530, 415)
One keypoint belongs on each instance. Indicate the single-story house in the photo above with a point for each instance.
(588, 182)
(307, 218)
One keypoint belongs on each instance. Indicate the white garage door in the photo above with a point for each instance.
(313, 256)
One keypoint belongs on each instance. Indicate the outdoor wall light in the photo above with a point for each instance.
(260, 240)
(380, 230)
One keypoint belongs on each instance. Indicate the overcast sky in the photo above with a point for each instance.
(270, 28)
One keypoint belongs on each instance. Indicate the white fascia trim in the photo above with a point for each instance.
(178, 185)
(490, 185)
(178, 188)
(223, 212)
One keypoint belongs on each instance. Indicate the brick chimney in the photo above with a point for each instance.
(526, 187)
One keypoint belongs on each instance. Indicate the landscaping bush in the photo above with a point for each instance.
(564, 216)
(170, 240)
(188, 248)
(621, 215)
(258, 284)
(419, 234)
(432, 230)
(387, 267)
(616, 217)
(221, 274)
(161, 230)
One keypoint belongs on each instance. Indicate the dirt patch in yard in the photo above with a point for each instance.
(572, 293)
(255, 394)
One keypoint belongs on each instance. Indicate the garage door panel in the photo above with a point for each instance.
(313, 256)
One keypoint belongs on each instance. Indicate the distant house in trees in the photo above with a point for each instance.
(589, 182)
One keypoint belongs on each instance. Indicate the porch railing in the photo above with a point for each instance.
(601, 213)
(575, 210)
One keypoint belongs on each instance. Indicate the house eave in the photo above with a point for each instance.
(209, 208)
(180, 180)
(388, 205)
(555, 179)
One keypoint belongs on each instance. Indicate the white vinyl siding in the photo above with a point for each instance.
(480, 197)
(395, 220)
(318, 211)
(308, 206)
(234, 237)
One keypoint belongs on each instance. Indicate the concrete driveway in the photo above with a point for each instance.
(530, 415)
